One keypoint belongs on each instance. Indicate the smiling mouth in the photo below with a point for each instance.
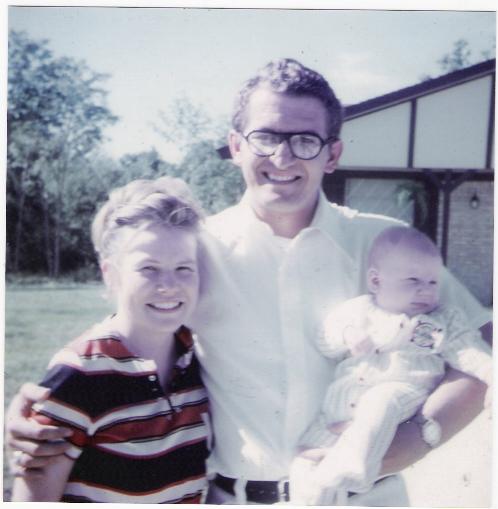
(166, 306)
(279, 178)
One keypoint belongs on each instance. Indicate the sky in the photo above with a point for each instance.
(157, 55)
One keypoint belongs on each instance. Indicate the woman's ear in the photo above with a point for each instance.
(109, 275)
(234, 142)
(373, 280)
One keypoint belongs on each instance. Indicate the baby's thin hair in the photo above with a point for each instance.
(397, 236)
(166, 201)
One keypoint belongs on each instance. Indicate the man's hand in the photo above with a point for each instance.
(33, 444)
(453, 404)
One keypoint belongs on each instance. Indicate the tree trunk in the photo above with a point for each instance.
(57, 239)
(21, 198)
(46, 237)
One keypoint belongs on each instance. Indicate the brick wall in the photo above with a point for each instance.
(470, 238)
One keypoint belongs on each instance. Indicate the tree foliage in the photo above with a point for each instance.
(57, 174)
(460, 57)
(215, 182)
(56, 116)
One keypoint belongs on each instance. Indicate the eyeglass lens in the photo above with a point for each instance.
(302, 145)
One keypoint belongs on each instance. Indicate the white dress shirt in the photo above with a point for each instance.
(262, 300)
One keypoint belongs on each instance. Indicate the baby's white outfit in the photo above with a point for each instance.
(379, 390)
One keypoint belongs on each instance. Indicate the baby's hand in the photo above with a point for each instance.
(358, 341)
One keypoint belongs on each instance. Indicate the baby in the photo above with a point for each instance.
(393, 345)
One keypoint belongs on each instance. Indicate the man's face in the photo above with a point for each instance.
(281, 184)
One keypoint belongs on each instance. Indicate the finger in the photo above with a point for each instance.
(26, 461)
(53, 448)
(314, 455)
(23, 401)
(32, 430)
(26, 473)
(33, 393)
(18, 464)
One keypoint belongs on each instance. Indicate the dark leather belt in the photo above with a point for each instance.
(264, 492)
(260, 492)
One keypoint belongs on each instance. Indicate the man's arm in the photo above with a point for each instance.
(48, 486)
(453, 404)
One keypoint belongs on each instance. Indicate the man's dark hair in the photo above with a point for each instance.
(288, 76)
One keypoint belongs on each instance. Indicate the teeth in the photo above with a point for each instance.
(166, 305)
(280, 178)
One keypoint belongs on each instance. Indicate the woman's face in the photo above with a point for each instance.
(155, 278)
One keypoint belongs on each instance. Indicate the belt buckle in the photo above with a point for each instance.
(283, 490)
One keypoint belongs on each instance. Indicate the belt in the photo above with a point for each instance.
(260, 492)
(265, 492)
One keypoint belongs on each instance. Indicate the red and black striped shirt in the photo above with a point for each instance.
(131, 441)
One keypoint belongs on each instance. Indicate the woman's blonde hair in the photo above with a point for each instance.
(166, 201)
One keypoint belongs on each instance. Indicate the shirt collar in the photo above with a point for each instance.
(326, 220)
(322, 219)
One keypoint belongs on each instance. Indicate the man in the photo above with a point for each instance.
(280, 259)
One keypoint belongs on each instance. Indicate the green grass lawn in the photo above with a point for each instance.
(38, 321)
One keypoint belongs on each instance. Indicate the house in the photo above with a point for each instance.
(425, 154)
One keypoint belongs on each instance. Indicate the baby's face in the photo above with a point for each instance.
(407, 281)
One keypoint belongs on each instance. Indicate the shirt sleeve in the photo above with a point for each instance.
(348, 316)
(464, 349)
(68, 401)
(455, 295)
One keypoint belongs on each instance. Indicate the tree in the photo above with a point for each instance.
(143, 165)
(458, 58)
(186, 123)
(215, 182)
(25, 129)
(56, 107)
(23, 158)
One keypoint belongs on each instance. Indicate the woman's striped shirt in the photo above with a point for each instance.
(131, 442)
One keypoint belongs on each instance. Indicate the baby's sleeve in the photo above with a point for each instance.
(330, 338)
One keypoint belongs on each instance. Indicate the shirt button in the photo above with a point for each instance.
(152, 378)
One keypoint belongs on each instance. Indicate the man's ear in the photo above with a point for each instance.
(373, 280)
(234, 142)
(335, 151)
